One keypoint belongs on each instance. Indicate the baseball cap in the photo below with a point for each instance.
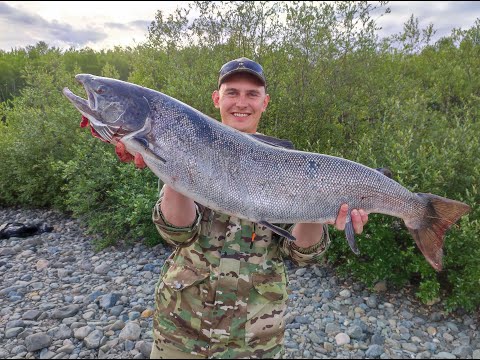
(242, 64)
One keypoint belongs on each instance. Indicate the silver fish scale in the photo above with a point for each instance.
(230, 171)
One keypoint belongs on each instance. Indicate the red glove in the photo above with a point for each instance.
(125, 156)
(85, 123)
(120, 150)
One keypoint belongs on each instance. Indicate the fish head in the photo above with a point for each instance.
(113, 107)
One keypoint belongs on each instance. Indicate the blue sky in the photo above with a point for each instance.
(104, 24)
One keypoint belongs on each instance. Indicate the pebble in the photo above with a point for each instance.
(61, 299)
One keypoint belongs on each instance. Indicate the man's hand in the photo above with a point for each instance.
(120, 150)
(125, 156)
(359, 219)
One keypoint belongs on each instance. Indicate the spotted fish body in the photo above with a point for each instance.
(241, 175)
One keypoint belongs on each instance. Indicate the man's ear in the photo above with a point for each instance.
(265, 102)
(216, 99)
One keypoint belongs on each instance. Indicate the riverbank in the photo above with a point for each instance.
(60, 299)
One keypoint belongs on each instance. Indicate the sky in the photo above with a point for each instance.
(105, 24)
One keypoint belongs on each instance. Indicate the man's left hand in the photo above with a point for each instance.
(359, 219)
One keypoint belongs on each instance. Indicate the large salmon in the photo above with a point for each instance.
(242, 175)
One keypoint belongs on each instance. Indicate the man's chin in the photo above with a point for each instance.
(240, 126)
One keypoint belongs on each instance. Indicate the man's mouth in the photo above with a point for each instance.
(240, 114)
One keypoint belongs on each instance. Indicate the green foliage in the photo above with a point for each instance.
(37, 132)
(113, 198)
(401, 102)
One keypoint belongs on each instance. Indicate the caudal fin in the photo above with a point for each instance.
(441, 214)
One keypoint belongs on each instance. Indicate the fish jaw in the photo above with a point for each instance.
(82, 105)
(90, 116)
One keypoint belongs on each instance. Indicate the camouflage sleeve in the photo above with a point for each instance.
(304, 256)
(175, 235)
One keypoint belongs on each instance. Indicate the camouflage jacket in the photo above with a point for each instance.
(220, 294)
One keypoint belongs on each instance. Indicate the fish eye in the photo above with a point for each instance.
(101, 89)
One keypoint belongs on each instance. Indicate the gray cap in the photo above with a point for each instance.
(239, 65)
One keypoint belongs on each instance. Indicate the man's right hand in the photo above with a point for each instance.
(124, 156)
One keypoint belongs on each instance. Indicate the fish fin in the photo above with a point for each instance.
(158, 157)
(273, 141)
(146, 149)
(385, 171)
(350, 234)
(142, 141)
(441, 214)
(278, 230)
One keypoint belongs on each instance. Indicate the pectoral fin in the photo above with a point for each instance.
(278, 230)
(350, 234)
(143, 146)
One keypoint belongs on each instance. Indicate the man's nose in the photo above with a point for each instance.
(242, 101)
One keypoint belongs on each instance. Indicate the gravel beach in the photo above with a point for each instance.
(61, 300)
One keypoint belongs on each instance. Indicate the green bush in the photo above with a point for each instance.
(115, 199)
(38, 131)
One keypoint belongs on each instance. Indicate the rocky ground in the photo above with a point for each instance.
(60, 299)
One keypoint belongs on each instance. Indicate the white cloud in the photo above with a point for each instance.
(104, 24)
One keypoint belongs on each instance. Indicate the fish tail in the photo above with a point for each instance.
(440, 215)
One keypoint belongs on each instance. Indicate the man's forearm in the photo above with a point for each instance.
(307, 234)
(177, 209)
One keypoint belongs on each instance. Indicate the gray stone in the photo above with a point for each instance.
(13, 332)
(332, 328)
(424, 355)
(355, 332)
(15, 324)
(145, 347)
(410, 347)
(102, 269)
(92, 297)
(476, 354)
(65, 312)
(116, 310)
(131, 331)
(82, 332)
(66, 349)
(374, 351)
(18, 349)
(31, 315)
(342, 339)
(92, 341)
(445, 355)
(128, 345)
(37, 341)
(377, 339)
(463, 351)
(301, 271)
(46, 354)
(315, 338)
(62, 332)
(118, 325)
(109, 300)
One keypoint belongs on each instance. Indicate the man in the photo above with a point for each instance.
(222, 293)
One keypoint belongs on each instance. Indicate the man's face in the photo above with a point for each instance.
(241, 100)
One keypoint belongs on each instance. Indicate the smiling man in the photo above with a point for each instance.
(223, 291)
(242, 99)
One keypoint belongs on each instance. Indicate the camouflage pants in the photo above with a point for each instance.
(171, 353)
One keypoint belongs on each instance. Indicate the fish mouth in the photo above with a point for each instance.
(88, 109)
